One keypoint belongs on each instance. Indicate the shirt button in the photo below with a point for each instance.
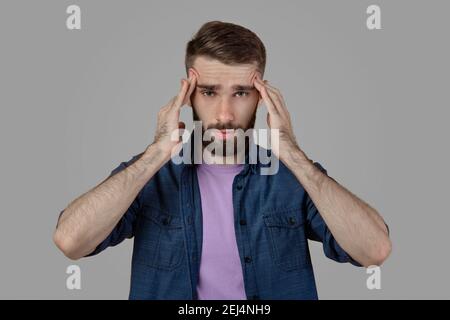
(243, 222)
(291, 221)
(248, 259)
(239, 187)
(165, 221)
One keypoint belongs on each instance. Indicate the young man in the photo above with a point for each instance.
(223, 231)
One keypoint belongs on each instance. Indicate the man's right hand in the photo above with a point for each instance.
(90, 218)
(169, 116)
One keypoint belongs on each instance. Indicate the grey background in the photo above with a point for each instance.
(370, 106)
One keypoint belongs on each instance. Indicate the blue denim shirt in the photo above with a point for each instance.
(274, 217)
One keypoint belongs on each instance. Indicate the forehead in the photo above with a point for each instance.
(211, 71)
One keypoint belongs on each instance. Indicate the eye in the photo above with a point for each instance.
(242, 93)
(207, 93)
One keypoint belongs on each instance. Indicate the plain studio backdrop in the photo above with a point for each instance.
(370, 105)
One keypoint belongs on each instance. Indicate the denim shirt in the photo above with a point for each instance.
(274, 217)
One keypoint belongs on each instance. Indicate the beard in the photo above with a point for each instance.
(225, 144)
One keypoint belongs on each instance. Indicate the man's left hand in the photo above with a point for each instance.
(277, 118)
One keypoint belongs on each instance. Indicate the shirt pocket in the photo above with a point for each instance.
(159, 242)
(287, 238)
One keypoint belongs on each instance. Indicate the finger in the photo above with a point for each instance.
(258, 75)
(194, 76)
(276, 95)
(278, 102)
(181, 94)
(192, 84)
(276, 92)
(271, 92)
(265, 96)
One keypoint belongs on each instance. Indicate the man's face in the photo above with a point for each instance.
(224, 97)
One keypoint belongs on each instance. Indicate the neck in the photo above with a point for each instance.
(237, 158)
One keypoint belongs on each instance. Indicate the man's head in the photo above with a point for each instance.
(225, 58)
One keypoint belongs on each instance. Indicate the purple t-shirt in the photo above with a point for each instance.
(220, 265)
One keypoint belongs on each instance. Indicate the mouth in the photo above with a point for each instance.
(224, 134)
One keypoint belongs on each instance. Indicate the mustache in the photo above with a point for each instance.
(224, 126)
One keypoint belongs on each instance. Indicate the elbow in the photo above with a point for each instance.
(66, 245)
(381, 252)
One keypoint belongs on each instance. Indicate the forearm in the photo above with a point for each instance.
(90, 218)
(357, 227)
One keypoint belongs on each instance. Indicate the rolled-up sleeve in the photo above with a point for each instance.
(126, 225)
(317, 230)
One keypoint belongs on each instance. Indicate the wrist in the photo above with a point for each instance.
(154, 154)
(294, 156)
(303, 168)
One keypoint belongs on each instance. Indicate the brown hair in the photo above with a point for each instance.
(227, 42)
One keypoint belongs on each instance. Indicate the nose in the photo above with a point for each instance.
(225, 114)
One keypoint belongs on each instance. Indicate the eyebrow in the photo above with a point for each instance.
(214, 87)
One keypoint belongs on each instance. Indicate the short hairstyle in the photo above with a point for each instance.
(228, 43)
